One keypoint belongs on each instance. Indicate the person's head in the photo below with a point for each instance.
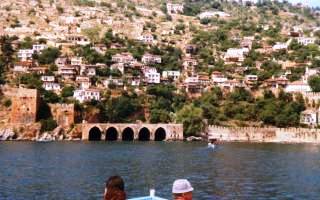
(114, 189)
(182, 190)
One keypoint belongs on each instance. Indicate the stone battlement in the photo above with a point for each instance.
(24, 92)
(269, 134)
(64, 114)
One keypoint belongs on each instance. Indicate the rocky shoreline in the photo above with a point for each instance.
(31, 132)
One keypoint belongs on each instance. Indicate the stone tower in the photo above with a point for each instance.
(64, 114)
(25, 106)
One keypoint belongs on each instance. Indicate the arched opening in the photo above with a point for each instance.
(112, 134)
(94, 134)
(127, 134)
(160, 134)
(144, 134)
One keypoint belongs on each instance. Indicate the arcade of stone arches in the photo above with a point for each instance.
(112, 134)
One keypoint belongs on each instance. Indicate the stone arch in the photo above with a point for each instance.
(94, 134)
(111, 134)
(144, 134)
(160, 134)
(128, 134)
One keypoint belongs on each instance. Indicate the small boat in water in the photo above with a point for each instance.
(212, 143)
(212, 146)
(152, 196)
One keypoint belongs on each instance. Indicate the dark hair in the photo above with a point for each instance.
(115, 182)
(115, 189)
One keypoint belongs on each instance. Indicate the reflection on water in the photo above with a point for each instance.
(75, 170)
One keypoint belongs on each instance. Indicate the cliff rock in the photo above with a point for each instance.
(7, 134)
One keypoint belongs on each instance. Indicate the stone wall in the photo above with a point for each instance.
(173, 131)
(64, 114)
(25, 106)
(252, 134)
(311, 96)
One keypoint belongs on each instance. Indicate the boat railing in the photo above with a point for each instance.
(152, 196)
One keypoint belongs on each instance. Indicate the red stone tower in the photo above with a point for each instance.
(25, 106)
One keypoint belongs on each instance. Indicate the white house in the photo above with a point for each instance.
(235, 55)
(51, 86)
(306, 40)
(218, 78)
(113, 81)
(189, 64)
(310, 72)
(68, 20)
(47, 78)
(232, 84)
(135, 82)
(118, 66)
(175, 8)
(195, 84)
(83, 81)
(39, 47)
(100, 48)
(22, 66)
(89, 70)
(151, 75)
(67, 72)
(76, 61)
(244, 1)
(25, 54)
(125, 58)
(279, 46)
(146, 38)
(49, 83)
(210, 14)
(310, 117)
(298, 87)
(61, 61)
(251, 78)
(171, 74)
(83, 95)
(150, 59)
(78, 39)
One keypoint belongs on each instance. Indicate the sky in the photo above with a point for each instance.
(310, 2)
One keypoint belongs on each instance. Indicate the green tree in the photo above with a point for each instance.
(6, 50)
(26, 43)
(50, 97)
(48, 56)
(31, 81)
(314, 82)
(122, 109)
(67, 91)
(240, 94)
(159, 116)
(48, 124)
(192, 119)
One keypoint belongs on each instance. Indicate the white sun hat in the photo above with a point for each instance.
(181, 186)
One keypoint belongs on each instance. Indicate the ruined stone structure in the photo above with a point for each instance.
(25, 106)
(277, 135)
(64, 114)
(130, 132)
